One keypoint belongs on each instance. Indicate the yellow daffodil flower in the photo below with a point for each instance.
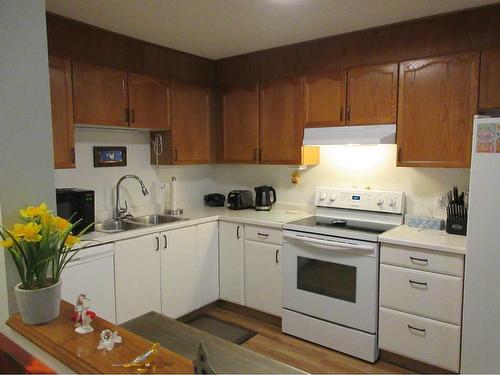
(17, 230)
(7, 243)
(71, 241)
(61, 224)
(31, 211)
(31, 232)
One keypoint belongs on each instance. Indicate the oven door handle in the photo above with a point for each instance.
(333, 245)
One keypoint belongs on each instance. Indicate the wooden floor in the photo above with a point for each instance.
(272, 343)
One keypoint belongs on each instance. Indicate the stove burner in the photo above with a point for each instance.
(339, 222)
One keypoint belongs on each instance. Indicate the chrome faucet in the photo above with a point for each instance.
(120, 212)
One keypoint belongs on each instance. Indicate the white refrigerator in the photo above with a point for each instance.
(481, 312)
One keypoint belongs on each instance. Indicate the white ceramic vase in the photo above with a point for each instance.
(39, 306)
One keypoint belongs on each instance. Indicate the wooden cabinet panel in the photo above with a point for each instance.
(437, 102)
(240, 124)
(191, 124)
(61, 101)
(372, 95)
(149, 102)
(100, 95)
(281, 121)
(324, 99)
(489, 87)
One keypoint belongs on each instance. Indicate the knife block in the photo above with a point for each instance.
(456, 225)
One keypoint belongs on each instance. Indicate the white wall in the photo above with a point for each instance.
(349, 166)
(193, 181)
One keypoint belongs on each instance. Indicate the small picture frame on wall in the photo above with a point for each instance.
(110, 156)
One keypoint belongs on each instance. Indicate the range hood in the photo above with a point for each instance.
(344, 135)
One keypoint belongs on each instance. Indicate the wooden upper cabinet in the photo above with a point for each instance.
(325, 99)
(240, 124)
(61, 101)
(100, 95)
(437, 101)
(149, 102)
(372, 93)
(191, 124)
(489, 87)
(281, 121)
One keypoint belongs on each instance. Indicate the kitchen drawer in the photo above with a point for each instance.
(422, 293)
(263, 234)
(422, 339)
(421, 259)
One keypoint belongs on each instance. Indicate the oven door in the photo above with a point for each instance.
(331, 278)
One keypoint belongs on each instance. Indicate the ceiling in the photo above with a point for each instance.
(221, 28)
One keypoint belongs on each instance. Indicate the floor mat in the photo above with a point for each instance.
(227, 331)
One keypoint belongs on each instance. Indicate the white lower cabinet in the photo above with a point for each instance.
(263, 277)
(137, 277)
(207, 260)
(231, 264)
(178, 272)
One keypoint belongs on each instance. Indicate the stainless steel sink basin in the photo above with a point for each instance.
(156, 219)
(114, 226)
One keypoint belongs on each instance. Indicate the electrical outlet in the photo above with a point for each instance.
(440, 201)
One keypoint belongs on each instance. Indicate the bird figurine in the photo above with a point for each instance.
(144, 360)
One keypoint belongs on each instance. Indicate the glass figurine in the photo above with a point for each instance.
(83, 315)
(108, 339)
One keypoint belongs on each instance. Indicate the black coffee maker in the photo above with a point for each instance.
(263, 201)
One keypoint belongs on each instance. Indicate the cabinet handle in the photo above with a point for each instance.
(341, 113)
(265, 235)
(175, 155)
(166, 242)
(411, 328)
(73, 157)
(276, 256)
(416, 260)
(348, 114)
(126, 114)
(132, 115)
(399, 154)
(255, 154)
(238, 231)
(157, 244)
(413, 283)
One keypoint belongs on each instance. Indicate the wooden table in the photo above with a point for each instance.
(79, 352)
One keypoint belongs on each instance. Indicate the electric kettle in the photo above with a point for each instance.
(263, 200)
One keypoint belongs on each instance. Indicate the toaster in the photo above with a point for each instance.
(239, 199)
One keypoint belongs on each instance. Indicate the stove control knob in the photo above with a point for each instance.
(380, 201)
(392, 202)
(333, 197)
(322, 196)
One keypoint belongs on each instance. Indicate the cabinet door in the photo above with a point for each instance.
(437, 102)
(137, 277)
(281, 121)
(178, 272)
(263, 277)
(207, 260)
(149, 101)
(489, 87)
(61, 101)
(100, 95)
(324, 99)
(190, 124)
(240, 124)
(372, 93)
(231, 249)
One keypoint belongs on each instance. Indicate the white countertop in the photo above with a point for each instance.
(425, 238)
(274, 219)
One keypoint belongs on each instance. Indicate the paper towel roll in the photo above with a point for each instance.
(173, 194)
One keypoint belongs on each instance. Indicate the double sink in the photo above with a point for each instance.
(115, 226)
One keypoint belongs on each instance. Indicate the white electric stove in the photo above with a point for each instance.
(330, 268)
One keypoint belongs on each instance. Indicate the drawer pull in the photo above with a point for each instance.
(419, 260)
(265, 235)
(413, 329)
(418, 283)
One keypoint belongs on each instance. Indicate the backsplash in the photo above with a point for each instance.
(344, 166)
(193, 181)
